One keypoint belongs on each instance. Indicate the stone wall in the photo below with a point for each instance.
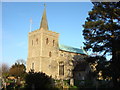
(44, 55)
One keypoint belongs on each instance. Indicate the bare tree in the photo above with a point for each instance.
(4, 70)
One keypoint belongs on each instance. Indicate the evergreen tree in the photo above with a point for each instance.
(18, 70)
(102, 36)
(38, 80)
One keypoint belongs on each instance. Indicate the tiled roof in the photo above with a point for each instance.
(71, 49)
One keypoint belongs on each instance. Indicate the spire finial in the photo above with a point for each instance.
(44, 5)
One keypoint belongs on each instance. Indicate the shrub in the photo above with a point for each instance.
(38, 80)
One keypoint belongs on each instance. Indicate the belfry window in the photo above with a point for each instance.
(53, 42)
(47, 41)
(32, 42)
(37, 40)
(50, 54)
(61, 68)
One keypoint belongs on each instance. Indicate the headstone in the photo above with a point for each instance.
(72, 82)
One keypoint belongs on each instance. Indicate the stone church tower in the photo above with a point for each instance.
(45, 54)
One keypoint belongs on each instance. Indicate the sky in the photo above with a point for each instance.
(66, 18)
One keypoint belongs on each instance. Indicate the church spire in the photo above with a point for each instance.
(44, 23)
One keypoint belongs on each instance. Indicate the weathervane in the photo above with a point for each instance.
(31, 24)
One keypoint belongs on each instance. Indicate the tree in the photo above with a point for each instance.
(102, 36)
(4, 69)
(20, 61)
(38, 80)
(17, 70)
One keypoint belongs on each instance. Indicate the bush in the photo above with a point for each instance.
(38, 80)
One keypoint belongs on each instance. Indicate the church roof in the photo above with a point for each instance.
(71, 49)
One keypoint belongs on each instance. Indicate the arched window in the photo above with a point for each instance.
(50, 54)
(32, 42)
(61, 68)
(37, 40)
(47, 41)
(33, 66)
(53, 42)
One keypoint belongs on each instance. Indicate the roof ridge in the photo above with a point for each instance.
(69, 46)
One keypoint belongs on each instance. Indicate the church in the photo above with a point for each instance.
(45, 54)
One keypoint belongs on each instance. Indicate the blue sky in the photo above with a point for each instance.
(65, 18)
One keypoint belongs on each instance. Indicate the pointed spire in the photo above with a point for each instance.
(44, 23)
